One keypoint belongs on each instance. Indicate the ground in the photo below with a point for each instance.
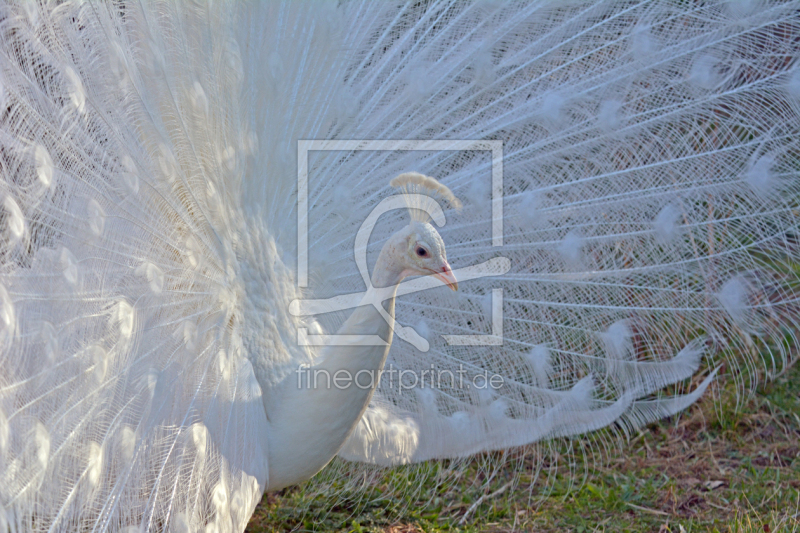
(728, 464)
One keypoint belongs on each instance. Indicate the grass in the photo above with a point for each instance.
(717, 467)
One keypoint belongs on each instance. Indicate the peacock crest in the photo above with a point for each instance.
(420, 192)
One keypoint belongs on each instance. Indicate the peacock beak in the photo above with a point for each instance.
(447, 276)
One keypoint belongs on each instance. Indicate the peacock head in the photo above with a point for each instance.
(425, 253)
(426, 256)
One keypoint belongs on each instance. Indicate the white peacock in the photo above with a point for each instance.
(150, 296)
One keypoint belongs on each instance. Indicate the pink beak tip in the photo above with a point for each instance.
(447, 277)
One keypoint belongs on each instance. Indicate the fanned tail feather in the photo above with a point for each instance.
(125, 398)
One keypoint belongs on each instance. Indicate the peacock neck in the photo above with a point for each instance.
(388, 271)
(322, 403)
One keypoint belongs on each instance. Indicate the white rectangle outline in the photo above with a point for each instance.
(306, 145)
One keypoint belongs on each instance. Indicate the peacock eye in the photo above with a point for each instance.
(421, 252)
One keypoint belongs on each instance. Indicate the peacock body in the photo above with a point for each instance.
(629, 177)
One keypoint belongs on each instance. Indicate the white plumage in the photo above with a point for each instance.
(152, 286)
